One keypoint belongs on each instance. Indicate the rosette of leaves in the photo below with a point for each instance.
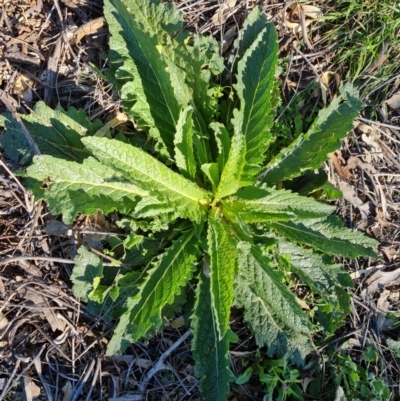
(231, 228)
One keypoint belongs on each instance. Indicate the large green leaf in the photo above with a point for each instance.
(183, 195)
(74, 188)
(270, 309)
(184, 152)
(209, 352)
(223, 268)
(324, 278)
(140, 30)
(255, 83)
(199, 57)
(310, 150)
(327, 235)
(162, 283)
(223, 142)
(255, 204)
(56, 132)
(230, 177)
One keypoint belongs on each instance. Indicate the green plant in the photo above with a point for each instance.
(280, 380)
(357, 382)
(199, 202)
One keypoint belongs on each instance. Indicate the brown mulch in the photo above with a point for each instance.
(50, 347)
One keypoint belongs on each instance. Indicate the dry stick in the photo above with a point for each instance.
(51, 341)
(160, 363)
(84, 380)
(4, 392)
(27, 368)
(302, 19)
(38, 366)
(94, 380)
(46, 258)
(320, 80)
(378, 123)
(13, 176)
(339, 339)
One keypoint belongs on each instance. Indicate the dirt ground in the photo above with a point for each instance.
(50, 347)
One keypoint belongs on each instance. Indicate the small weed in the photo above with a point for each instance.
(357, 382)
(281, 382)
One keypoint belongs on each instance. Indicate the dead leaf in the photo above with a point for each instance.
(67, 390)
(228, 38)
(324, 83)
(89, 28)
(394, 101)
(312, 11)
(305, 382)
(291, 16)
(365, 210)
(39, 300)
(178, 322)
(365, 128)
(368, 270)
(303, 304)
(350, 194)
(223, 13)
(23, 88)
(143, 363)
(31, 390)
(119, 119)
(382, 308)
(338, 164)
(55, 227)
(382, 279)
(389, 252)
(3, 321)
(382, 220)
(355, 162)
(373, 140)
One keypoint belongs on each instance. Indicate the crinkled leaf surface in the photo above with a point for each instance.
(199, 57)
(56, 132)
(230, 177)
(162, 283)
(327, 235)
(310, 150)
(140, 29)
(223, 141)
(209, 352)
(150, 206)
(187, 199)
(324, 278)
(270, 309)
(85, 188)
(88, 268)
(255, 83)
(223, 268)
(254, 205)
(183, 141)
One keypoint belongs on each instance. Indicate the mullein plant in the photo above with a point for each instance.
(204, 205)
